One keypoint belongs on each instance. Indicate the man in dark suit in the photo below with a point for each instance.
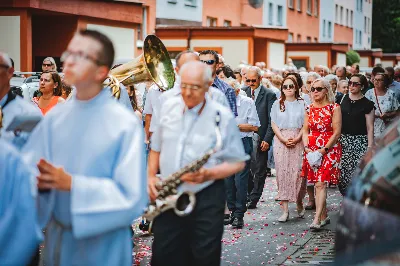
(264, 98)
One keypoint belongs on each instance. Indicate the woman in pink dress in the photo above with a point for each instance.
(287, 117)
(321, 131)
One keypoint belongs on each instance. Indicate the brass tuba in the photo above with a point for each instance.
(154, 64)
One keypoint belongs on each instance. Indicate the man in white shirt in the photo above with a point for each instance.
(12, 105)
(237, 185)
(185, 133)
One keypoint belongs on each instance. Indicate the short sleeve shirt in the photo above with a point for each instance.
(353, 115)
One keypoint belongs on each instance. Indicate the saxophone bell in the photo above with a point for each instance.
(185, 203)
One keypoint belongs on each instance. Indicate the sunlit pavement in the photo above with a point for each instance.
(264, 240)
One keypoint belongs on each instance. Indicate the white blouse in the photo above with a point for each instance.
(292, 117)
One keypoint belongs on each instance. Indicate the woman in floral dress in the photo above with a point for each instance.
(386, 104)
(321, 131)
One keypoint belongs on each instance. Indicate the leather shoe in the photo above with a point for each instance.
(238, 223)
(310, 207)
(251, 205)
(229, 219)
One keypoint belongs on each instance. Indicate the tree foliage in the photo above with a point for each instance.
(352, 57)
(386, 25)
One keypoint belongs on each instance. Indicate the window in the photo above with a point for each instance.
(316, 8)
(347, 17)
(324, 28)
(360, 38)
(361, 5)
(290, 4)
(337, 14)
(329, 29)
(172, 1)
(290, 39)
(271, 14)
(315, 39)
(365, 24)
(309, 6)
(280, 15)
(351, 18)
(308, 39)
(211, 22)
(243, 25)
(227, 23)
(341, 15)
(191, 3)
(298, 38)
(299, 2)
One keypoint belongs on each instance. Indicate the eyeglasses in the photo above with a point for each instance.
(190, 86)
(208, 62)
(309, 82)
(251, 80)
(319, 89)
(4, 66)
(47, 65)
(78, 56)
(288, 87)
(354, 84)
(378, 80)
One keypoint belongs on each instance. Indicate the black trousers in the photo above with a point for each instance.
(258, 173)
(194, 239)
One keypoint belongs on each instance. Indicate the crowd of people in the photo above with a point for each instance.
(85, 162)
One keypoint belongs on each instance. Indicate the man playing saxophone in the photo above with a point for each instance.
(185, 133)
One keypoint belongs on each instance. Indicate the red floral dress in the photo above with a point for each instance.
(320, 126)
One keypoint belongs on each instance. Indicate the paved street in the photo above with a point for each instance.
(263, 240)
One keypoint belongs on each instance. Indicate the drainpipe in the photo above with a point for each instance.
(189, 33)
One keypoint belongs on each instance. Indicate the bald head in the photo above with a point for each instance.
(185, 57)
(196, 78)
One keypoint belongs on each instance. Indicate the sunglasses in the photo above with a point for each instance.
(47, 65)
(251, 80)
(319, 89)
(355, 84)
(288, 87)
(208, 62)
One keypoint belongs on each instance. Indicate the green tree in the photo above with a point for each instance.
(352, 57)
(386, 25)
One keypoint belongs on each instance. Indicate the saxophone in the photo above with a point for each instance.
(168, 197)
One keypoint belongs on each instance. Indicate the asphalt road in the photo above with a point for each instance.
(264, 240)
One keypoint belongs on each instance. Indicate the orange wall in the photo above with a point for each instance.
(302, 23)
(236, 11)
(343, 34)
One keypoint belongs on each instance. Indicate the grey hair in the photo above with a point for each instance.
(255, 69)
(6, 59)
(397, 68)
(303, 75)
(233, 83)
(266, 83)
(314, 75)
(327, 86)
(331, 77)
(195, 66)
(51, 59)
(342, 81)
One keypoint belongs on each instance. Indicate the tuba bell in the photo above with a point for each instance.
(154, 65)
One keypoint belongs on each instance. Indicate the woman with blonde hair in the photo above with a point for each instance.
(287, 117)
(321, 132)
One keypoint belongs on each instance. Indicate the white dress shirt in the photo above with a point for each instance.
(184, 136)
(152, 106)
(247, 114)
